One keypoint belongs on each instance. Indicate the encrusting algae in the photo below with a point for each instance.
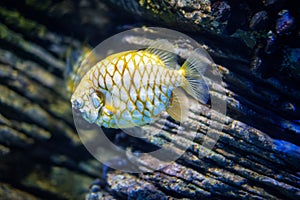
(132, 88)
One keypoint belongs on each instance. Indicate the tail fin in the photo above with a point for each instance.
(192, 69)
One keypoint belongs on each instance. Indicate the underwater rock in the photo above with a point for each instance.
(259, 20)
(58, 182)
(255, 23)
(8, 192)
(36, 125)
(96, 192)
(188, 15)
(131, 187)
(285, 23)
(291, 64)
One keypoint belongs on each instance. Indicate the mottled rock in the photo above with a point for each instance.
(198, 15)
(58, 181)
(131, 187)
(8, 192)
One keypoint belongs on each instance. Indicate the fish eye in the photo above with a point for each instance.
(97, 99)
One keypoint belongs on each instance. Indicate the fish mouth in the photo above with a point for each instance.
(76, 103)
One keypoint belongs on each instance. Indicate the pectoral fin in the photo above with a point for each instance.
(179, 107)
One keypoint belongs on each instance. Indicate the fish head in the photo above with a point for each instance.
(87, 101)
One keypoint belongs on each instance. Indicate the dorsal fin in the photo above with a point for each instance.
(197, 62)
(163, 49)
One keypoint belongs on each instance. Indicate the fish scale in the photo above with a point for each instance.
(132, 88)
(142, 104)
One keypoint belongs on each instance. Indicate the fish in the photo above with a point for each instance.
(132, 88)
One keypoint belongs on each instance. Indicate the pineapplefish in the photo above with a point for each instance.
(132, 88)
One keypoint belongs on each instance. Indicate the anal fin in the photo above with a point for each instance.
(179, 107)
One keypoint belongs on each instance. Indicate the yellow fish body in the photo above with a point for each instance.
(132, 88)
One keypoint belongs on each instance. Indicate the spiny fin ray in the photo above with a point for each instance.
(162, 48)
(196, 63)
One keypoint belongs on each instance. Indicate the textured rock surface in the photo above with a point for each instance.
(41, 156)
(198, 15)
